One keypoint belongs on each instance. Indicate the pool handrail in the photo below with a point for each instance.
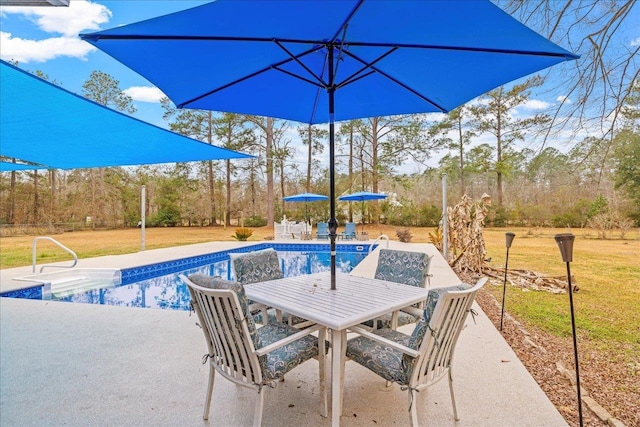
(34, 245)
(375, 242)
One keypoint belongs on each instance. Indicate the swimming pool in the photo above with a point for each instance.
(158, 285)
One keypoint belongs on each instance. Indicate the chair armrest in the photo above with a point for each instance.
(288, 340)
(413, 311)
(404, 349)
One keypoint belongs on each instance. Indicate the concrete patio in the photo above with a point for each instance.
(81, 364)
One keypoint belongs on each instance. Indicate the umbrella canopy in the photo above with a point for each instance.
(44, 124)
(361, 196)
(306, 197)
(318, 61)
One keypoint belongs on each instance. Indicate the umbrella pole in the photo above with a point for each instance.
(333, 223)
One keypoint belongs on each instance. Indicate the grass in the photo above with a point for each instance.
(607, 272)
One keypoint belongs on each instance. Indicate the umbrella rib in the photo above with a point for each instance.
(399, 83)
(355, 77)
(96, 37)
(296, 58)
(248, 76)
(346, 21)
(567, 55)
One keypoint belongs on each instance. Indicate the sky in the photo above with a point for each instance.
(46, 39)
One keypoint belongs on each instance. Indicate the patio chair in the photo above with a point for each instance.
(251, 357)
(349, 232)
(421, 359)
(408, 268)
(322, 232)
(260, 266)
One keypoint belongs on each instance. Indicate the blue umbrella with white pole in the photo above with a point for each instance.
(319, 61)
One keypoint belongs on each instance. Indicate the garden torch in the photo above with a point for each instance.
(509, 239)
(565, 243)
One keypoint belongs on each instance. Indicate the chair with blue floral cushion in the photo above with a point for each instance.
(261, 266)
(421, 359)
(240, 352)
(408, 268)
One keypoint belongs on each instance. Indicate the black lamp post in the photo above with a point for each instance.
(565, 243)
(509, 239)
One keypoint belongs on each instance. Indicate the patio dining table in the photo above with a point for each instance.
(355, 300)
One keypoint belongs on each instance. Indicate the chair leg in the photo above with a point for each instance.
(207, 400)
(257, 415)
(414, 408)
(453, 399)
(322, 361)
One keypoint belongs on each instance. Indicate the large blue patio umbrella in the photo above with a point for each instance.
(306, 198)
(361, 196)
(318, 61)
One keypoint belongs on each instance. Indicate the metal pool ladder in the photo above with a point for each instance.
(375, 242)
(34, 244)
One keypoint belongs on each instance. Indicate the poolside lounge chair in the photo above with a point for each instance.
(408, 268)
(322, 232)
(248, 356)
(421, 359)
(349, 232)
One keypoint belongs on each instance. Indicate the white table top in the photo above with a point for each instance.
(355, 300)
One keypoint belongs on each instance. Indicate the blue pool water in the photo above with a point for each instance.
(158, 285)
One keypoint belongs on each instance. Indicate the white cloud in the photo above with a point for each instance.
(564, 99)
(65, 21)
(635, 42)
(68, 21)
(24, 51)
(145, 93)
(535, 104)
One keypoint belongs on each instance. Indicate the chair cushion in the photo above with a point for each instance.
(280, 361)
(408, 268)
(272, 317)
(379, 358)
(217, 283)
(432, 300)
(384, 321)
(258, 266)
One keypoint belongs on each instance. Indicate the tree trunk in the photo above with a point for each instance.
(269, 150)
(227, 220)
(12, 211)
(461, 154)
(350, 169)
(210, 174)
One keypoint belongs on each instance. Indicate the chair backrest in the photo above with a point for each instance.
(406, 267)
(257, 266)
(228, 326)
(436, 335)
(350, 228)
(323, 228)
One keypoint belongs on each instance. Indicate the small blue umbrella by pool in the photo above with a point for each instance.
(306, 197)
(319, 61)
(361, 196)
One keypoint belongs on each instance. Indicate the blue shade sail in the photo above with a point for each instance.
(45, 124)
(8, 167)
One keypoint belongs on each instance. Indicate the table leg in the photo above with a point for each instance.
(337, 348)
